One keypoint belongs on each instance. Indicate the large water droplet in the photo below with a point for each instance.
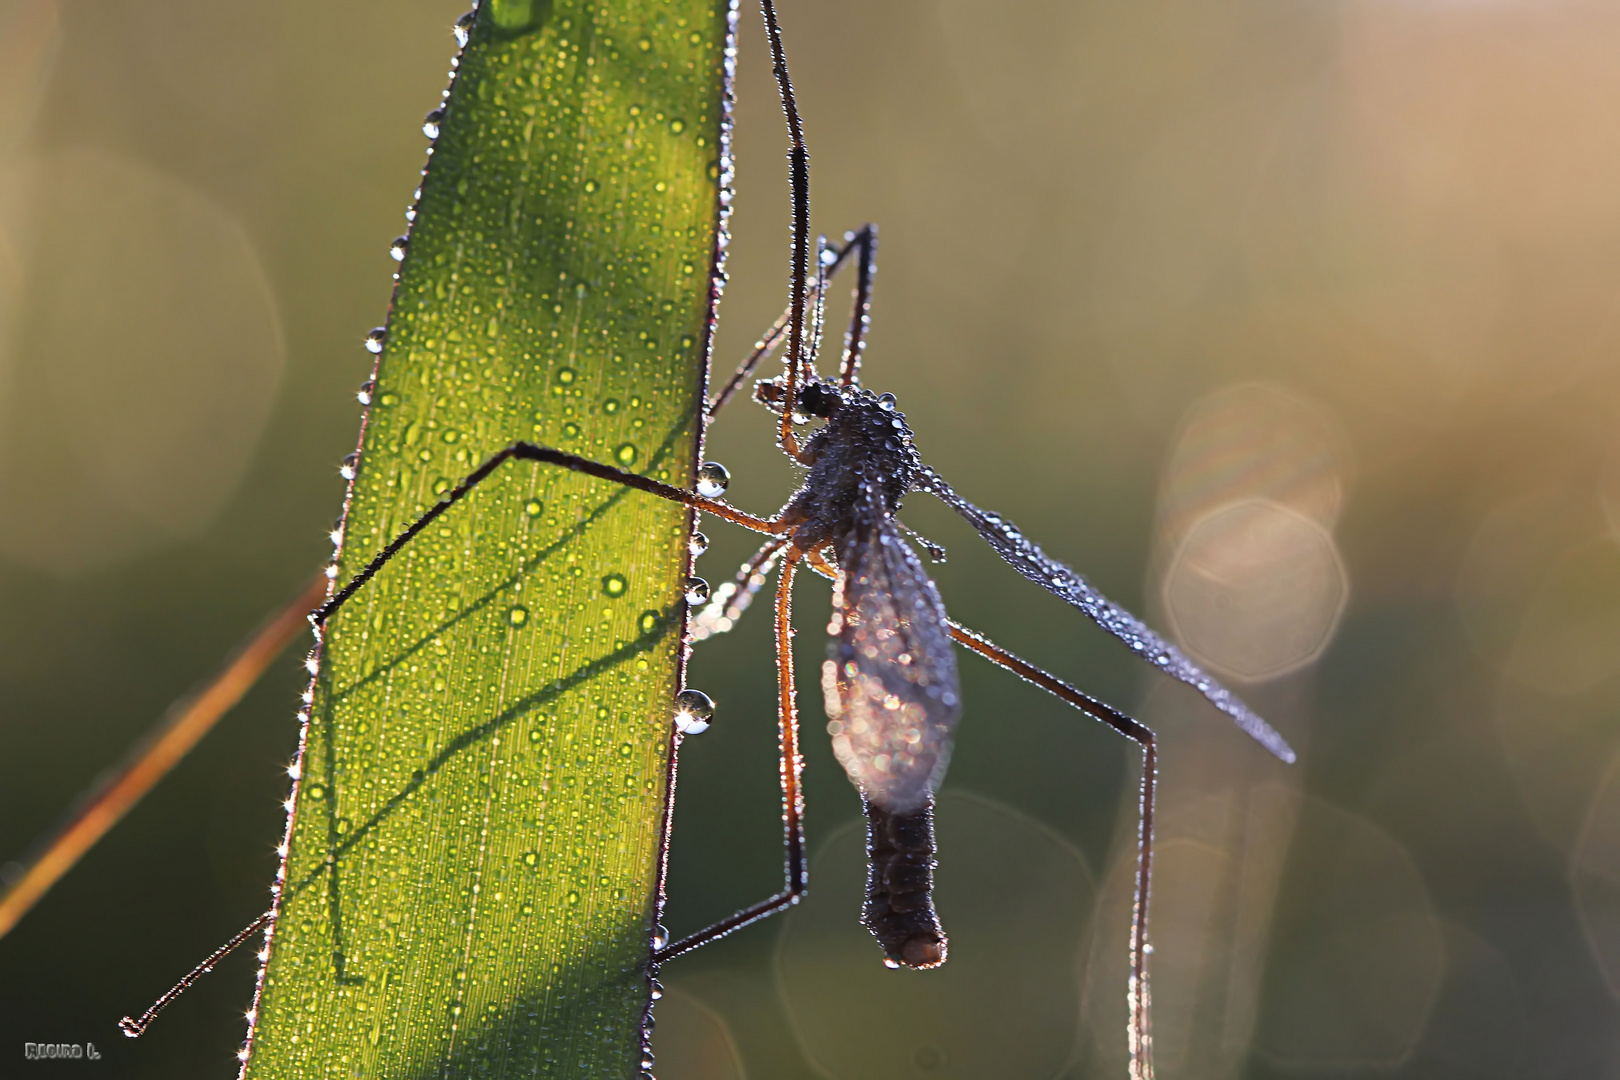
(347, 469)
(376, 339)
(712, 480)
(693, 711)
(660, 938)
(697, 591)
(886, 402)
(397, 248)
(365, 391)
(614, 584)
(463, 28)
(626, 454)
(431, 122)
(698, 543)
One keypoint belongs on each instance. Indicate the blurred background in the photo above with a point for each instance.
(1293, 325)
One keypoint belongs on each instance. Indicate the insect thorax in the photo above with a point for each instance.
(862, 463)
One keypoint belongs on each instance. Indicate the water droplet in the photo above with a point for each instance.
(886, 402)
(531, 858)
(660, 939)
(365, 391)
(533, 507)
(567, 375)
(677, 126)
(518, 615)
(590, 187)
(431, 122)
(626, 454)
(712, 480)
(388, 400)
(397, 248)
(376, 339)
(698, 544)
(693, 710)
(828, 256)
(463, 28)
(610, 406)
(891, 963)
(347, 469)
(614, 584)
(570, 430)
(697, 591)
(657, 990)
(648, 621)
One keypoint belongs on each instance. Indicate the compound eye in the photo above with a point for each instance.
(818, 399)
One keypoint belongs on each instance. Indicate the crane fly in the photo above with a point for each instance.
(890, 682)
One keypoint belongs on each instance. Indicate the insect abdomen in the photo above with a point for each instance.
(899, 907)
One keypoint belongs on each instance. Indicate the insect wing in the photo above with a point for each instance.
(1024, 556)
(890, 682)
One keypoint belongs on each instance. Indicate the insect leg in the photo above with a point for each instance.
(523, 451)
(778, 330)
(855, 340)
(1140, 1032)
(136, 1028)
(799, 181)
(791, 767)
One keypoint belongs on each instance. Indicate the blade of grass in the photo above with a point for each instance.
(182, 727)
(471, 878)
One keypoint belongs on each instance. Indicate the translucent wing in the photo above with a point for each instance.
(1022, 555)
(890, 681)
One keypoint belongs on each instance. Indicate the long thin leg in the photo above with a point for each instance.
(799, 181)
(523, 451)
(1140, 1032)
(135, 1028)
(778, 330)
(733, 598)
(855, 340)
(791, 768)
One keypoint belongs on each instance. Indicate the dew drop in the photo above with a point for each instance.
(891, 963)
(590, 187)
(614, 584)
(431, 122)
(677, 126)
(388, 400)
(397, 248)
(828, 257)
(567, 375)
(534, 507)
(693, 710)
(366, 388)
(626, 454)
(886, 402)
(518, 615)
(463, 28)
(648, 621)
(698, 544)
(610, 406)
(660, 939)
(570, 430)
(376, 339)
(657, 990)
(697, 591)
(712, 480)
(531, 858)
(347, 469)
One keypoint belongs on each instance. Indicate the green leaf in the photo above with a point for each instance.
(470, 888)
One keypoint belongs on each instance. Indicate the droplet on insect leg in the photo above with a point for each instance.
(376, 339)
(698, 544)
